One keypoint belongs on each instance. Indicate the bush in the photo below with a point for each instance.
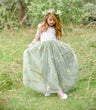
(89, 13)
(71, 11)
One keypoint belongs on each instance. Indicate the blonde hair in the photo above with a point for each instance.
(58, 25)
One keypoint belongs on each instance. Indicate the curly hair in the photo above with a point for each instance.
(57, 26)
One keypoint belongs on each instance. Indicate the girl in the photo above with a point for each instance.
(49, 65)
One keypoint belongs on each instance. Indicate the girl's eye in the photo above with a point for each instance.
(51, 20)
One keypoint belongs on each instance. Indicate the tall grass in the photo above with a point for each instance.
(15, 96)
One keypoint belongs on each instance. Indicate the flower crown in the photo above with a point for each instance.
(52, 11)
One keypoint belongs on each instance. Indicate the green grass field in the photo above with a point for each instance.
(15, 96)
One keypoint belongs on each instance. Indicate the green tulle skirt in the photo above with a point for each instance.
(50, 66)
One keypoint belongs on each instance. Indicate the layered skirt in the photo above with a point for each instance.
(50, 66)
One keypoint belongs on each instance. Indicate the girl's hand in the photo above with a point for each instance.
(33, 42)
(30, 45)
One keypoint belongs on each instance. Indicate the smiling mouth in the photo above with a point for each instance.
(52, 24)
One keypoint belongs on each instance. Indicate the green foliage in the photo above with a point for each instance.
(9, 14)
(73, 11)
(89, 14)
(69, 8)
(9, 3)
(88, 10)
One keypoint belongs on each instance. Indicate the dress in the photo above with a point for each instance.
(50, 65)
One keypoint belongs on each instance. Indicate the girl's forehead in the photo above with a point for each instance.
(51, 17)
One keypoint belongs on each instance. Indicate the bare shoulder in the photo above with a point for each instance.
(39, 25)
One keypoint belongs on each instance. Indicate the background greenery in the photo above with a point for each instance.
(73, 11)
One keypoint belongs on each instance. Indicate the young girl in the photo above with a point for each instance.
(49, 65)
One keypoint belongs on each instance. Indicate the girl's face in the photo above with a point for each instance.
(51, 21)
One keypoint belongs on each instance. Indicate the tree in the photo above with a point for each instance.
(12, 13)
(22, 13)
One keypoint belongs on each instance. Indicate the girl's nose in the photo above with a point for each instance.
(52, 21)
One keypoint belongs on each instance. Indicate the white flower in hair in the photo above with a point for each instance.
(45, 12)
(53, 11)
(58, 12)
(49, 11)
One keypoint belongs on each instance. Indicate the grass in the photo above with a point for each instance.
(15, 96)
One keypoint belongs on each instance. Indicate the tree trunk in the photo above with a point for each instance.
(22, 14)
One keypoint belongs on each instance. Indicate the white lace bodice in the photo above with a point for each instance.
(47, 35)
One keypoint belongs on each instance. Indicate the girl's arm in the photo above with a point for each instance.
(37, 36)
(33, 42)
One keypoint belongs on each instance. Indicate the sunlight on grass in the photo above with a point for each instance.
(15, 96)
